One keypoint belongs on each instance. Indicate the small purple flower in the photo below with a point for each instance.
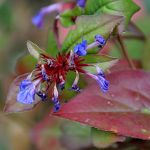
(26, 94)
(81, 3)
(101, 41)
(100, 78)
(103, 83)
(80, 49)
(38, 20)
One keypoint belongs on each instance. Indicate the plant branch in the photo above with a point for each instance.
(136, 37)
(124, 51)
(137, 32)
(55, 30)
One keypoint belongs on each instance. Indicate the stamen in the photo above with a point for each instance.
(55, 91)
(71, 58)
(44, 75)
(74, 85)
(62, 83)
(50, 62)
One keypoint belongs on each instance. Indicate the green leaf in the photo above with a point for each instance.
(97, 58)
(28, 61)
(103, 139)
(104, 66)
(66, 17)
(52, 49)
(124, 8)
(88, 27)
(34, 50)
(75, 135)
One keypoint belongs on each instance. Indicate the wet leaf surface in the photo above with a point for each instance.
(123, 110)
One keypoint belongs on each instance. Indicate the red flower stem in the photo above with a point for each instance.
(124, 52)
(55, 30)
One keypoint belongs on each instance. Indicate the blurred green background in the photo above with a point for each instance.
(28, 131)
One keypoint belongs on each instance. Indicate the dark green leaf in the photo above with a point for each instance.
(104, 66)
(97, 58)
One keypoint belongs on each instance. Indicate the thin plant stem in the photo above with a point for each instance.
(141, 38)
(124, 51)
(55, 30)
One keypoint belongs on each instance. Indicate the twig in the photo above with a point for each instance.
(55, 30)
(124, 51)
(141, 38)
(137, 32)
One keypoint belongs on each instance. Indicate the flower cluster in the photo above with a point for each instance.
(50, 73)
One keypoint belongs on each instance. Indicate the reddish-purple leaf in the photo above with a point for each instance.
(11, 101)
(124, 109)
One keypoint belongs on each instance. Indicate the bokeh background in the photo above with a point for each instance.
(36, 130)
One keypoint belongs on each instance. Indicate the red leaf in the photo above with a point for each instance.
(124, 109)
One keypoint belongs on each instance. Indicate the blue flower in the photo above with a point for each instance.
(26, 94)
(81, 3)
(37, 20)
(103, 83)
(100, 78)
(80, 49)
(100, 40)
(56, 104)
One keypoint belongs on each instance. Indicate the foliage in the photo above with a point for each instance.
(97, 119)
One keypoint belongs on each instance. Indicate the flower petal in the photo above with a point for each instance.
(26, 94)
(80, 49)
(81, 3)
(11, 104)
